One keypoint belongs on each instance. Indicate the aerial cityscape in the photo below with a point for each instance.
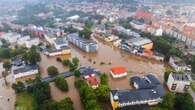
(97, 54)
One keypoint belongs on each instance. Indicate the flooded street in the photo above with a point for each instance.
(106, 58)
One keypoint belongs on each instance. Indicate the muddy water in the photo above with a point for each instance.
(106, 58)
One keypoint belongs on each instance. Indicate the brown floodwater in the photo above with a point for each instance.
(106, 58)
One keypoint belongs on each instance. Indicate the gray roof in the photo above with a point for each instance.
(149, 88)
(77, 37)
(60, 41)
(139, 41)
(149, 81)
(57, 50)
(88, 71)
(25, 69)
(126, 96)
(180, 77)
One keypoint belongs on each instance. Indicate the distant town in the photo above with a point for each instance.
(97, 55)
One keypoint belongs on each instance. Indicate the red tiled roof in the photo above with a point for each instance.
(92, 80)
(118, 70)
(141, 14)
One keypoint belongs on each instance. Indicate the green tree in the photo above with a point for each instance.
(104, 79)
(61, 83)
(32, 56)
(168, 101)
(66, 104)
(156, 108)
(52, 71)
(184, 102)
(66, 62)
(86, 33)
(5, 53)
(77, 73)
(18, 87)
(102, 93)
(7, 65)
(49, 105)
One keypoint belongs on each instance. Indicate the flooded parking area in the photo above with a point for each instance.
(106, 58)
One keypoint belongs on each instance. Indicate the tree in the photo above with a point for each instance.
(104, 79)
(52, 71)
(168, 101)
(65, 104)
(184, 102)
(18, 87)
(102, 93)
(7, 65)
(40, 90)
(77, 73)
(61, 83)
(156, 108)
(49, 105)
(86, 33)
(66, 62)
(73, 65)
(5, 53)
(32, 56)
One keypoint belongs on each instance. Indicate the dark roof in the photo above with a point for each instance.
(180, 77)
(77, 37)
(88, 71)
(149, 81)
(126, 96)
(25, 69)
(57, 50)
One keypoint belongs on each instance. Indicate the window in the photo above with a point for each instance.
(173, 86)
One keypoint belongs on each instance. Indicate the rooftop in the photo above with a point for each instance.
(118, 70)
(180, 77)
(25, 69)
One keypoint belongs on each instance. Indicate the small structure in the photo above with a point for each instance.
(178, 83)
(178, 64)
(150, 93)
(118, 72)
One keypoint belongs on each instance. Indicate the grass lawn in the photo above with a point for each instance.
(25, 101)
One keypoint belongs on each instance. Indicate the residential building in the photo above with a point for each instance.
(150, 93)
(178, 64)
(138, 25)
(33, 41)
(178, 83)
(93, 82)
(118, 72)
(87, 72)
(24, 71)
(11, 37)
(55, 52)
(60, 42)
(84, 44)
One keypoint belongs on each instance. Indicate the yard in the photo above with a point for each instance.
(25, 101)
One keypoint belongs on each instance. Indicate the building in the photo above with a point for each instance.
(178, 64)
(118, 72)
(24, 71)
(93, 82)
(56, 52)
(84, 44)
(150, 93)
(138, 45)
(178, 83)
(60, 42)
(138, 25)
(33, 41)
(87, 72)
(11, 37)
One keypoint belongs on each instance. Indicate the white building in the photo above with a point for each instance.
(178, 65)
(24, 71)
(118, 72)
(11, 37)
(178, 83)
(22, 40)
(60, 42)
(34, 41)
(57, 52)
